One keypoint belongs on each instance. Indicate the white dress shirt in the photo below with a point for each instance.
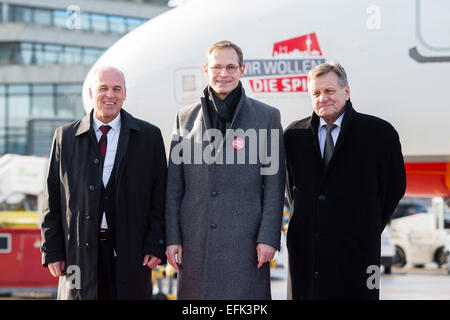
(334, 133)
(111, 149)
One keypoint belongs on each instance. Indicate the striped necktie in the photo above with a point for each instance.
(103, 142)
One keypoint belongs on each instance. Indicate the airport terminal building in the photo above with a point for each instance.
(46, 49)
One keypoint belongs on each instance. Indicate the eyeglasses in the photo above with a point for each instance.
(218, 69)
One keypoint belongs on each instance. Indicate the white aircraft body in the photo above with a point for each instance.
(396, 54)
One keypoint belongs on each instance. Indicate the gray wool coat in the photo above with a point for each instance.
(220, 205)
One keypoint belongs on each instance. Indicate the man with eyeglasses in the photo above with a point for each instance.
(223, 217)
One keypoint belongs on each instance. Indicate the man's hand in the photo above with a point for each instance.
(151, 261)
(174, 254)
(57, 269)
(265, 253)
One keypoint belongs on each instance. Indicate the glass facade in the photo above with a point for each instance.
(25, 108)
(61, 18)
(28, 53)
(29, 112)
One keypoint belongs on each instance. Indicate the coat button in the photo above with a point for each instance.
(316, 275)
(322, 197)
(88, 245)
(88, 217)
(92, 188)
(213, 226)
(44, 248)
(96, 161)
(214, 194)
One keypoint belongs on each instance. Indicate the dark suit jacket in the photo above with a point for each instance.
(340, 211)
(72, 198)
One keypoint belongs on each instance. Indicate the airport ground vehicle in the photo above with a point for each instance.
(21, 176)
(420, 237)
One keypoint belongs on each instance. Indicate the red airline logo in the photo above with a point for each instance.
(306, 44)
(287, 70)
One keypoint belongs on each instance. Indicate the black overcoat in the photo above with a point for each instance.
(71, 206)
(339, 211)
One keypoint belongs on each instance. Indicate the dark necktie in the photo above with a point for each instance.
(329, 144)
(103, 142)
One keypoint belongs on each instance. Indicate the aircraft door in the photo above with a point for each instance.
(188, 84)
(432, 30)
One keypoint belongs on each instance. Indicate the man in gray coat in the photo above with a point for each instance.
(225, 187)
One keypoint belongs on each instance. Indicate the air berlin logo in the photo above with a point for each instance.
(287, 70)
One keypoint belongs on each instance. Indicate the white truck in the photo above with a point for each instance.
(21, 176)
(420, 237)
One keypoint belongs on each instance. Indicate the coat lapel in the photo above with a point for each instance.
(205, 117)
(239, 107)
(128, 123)
(314, 125)
(348, 117)
(86, 127)
(85, 124)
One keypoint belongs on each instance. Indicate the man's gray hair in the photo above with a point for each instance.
(325, 68)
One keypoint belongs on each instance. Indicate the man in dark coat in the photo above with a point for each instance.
(103, 214)
(223, 216)
(345, 177)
